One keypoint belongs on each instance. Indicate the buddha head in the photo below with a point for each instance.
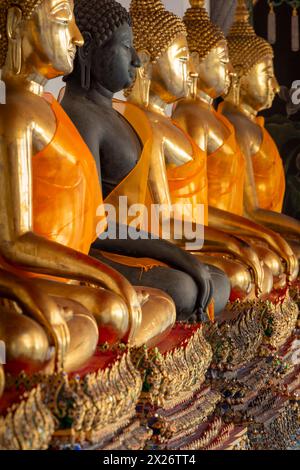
(252, 59)
(38, 38)
(208, 49)
(160, 40)
(108, 58)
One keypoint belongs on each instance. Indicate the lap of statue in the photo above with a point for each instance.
(28, 346)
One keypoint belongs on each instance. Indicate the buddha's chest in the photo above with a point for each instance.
(256, 139)
(173, 142)
(120, 148)
(217, 133)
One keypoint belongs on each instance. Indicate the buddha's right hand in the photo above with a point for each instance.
(52, 317)
(41, 308)
(46, 312)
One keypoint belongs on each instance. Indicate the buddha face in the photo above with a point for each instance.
(114, 64)
(49, 39)
(259, 86)
(170, 73)
(214, 71)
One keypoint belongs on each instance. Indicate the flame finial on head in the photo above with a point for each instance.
(197, 3)
(242, 13)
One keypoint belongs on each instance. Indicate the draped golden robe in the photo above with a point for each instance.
(268, 172)
(187, 183)
(226, 170)
(65, 189)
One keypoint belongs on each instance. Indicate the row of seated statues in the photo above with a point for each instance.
(65, 287)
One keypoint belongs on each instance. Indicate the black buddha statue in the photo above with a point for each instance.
(105, 65)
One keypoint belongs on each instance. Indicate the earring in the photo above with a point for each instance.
(145, 83)
(85, 59)
(16, 56)
(235, 86)
(192, 84)
(85, 72)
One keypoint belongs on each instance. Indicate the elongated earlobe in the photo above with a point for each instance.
(85, 60)
(144, 73)
(14, 17)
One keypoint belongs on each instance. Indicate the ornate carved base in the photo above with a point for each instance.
(174, 370)
(279, 321)
(96, 402)
(247, 329)
(173, 402)
(274, 430)
(295, 293)
(219, 436)
(237, 337)
(132, 436)
(173, 427)
(263, 395)
(28, 424)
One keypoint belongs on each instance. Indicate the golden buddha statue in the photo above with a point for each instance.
(215, 135)
(48, 210)
(177, 166)
(252, 59)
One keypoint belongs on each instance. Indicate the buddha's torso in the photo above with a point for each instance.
(175, 146)
(120, 151)
(35, 114)
(208, 131)
(65, 189)
(267, 166)
(113, 142)
(119, 148)
(247, 130)
(214, 134)
(184, 161)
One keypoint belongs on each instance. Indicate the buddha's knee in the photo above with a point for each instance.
(26, 343)
(112, 317)
(158, 317)
(240, 278)
(221, 288)
(184, 292)
(238, 274)
(179, 285)
(108, 309)
(270, 259)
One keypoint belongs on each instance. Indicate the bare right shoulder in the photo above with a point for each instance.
(26, 114)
